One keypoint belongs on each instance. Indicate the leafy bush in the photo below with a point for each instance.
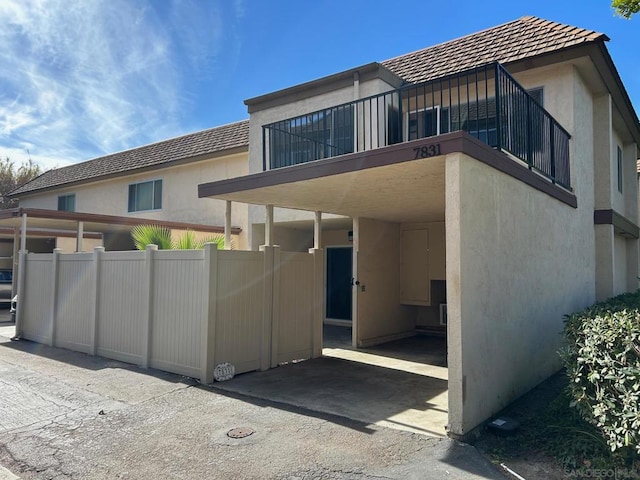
(602, 360)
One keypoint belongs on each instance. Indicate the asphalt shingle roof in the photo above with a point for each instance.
(205, 142)
(522, 38)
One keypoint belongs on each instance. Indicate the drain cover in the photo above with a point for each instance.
(241, 432)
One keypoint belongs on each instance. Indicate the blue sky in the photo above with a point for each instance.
(81, 79)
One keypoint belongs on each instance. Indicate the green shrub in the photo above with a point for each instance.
(602, 360)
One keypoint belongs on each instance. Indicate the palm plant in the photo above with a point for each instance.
(144, 235)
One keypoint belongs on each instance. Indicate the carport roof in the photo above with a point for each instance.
(53, 220)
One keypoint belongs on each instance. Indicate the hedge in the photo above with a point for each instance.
(602, 360)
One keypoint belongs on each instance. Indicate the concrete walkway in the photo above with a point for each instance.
(66, 415)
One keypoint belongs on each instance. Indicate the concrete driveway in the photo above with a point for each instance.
(66, 415)
(401, 384)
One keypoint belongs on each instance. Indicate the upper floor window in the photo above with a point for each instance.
(67, 203)
(619, 169)
(145, 196)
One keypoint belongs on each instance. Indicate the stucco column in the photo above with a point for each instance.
(605, 261)
(602, 148)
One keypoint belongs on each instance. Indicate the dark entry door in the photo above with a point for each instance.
(339, 274)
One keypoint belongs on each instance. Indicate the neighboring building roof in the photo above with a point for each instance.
(205, 142)
(526, 37)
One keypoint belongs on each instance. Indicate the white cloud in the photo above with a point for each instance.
(85, 78)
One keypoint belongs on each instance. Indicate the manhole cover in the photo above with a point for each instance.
(241, 432)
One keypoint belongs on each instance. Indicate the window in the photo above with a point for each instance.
(619, 169)
(427, 122)
(145, 196)
(67, 203)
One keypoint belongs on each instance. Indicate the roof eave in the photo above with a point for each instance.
(323, 85)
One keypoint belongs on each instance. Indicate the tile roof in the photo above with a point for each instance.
(206, 142)
(525, 37)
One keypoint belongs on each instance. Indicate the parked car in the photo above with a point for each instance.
(6, 280)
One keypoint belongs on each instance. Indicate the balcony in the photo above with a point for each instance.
(486, 102)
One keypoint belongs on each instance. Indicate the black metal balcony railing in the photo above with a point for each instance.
(486, 102)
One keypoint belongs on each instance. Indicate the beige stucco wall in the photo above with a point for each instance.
(517, 261)
(336, 238)
(380, 315)
(180, 200)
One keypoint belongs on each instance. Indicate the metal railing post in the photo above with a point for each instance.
(498, 108)
(552, 152)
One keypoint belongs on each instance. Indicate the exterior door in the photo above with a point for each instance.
(339, 274)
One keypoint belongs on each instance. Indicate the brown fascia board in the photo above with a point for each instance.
(620, 223)
(323, 85)
(599, 55)
(134, 171)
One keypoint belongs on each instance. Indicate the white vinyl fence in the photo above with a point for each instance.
(182, 311)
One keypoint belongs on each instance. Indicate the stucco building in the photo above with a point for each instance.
(483, 188)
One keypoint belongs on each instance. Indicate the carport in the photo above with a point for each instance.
(384, 375)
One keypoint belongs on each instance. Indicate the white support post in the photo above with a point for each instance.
(15, 262)
(208, 337)
(97, 264)
(148, 318)
(23, 233)
(317, 231)
(268, 226)
(54, 297)
(79, 236)
(227, 226)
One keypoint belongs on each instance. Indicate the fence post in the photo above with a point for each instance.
(275, 306)
(208, 337)
(148, 318)
(22, 271)
(318, 303)
(97, 259)
(267, 345)
(54, 296)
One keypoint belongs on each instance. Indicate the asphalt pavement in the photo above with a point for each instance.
(67, 415)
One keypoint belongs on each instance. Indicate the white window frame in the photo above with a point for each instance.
(152, 180)
(67, 195)
(410, 112)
